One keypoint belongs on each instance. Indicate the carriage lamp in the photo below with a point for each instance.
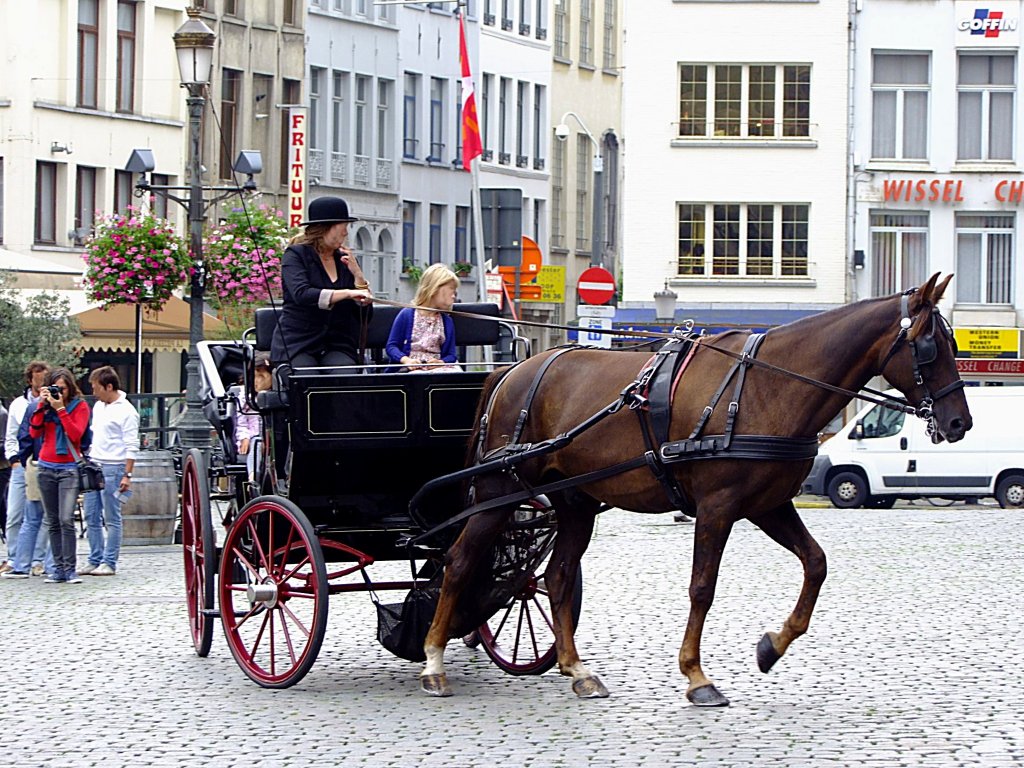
(665, 303)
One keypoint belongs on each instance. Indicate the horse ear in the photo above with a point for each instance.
(940, 289)
(924, 294)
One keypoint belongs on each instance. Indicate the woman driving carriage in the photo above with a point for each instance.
(326, 295)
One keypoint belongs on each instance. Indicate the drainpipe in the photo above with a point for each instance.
(851, 169)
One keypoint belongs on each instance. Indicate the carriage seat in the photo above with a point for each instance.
(469, 332)
(222, 364)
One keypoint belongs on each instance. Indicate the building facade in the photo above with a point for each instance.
(352, 82)
(736, 155)
(435, 188)
(937, 148)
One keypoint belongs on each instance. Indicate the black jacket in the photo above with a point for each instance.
(302, 326)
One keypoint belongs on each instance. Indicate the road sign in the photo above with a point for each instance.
(596, 286)
(592, 310)
(589, 334)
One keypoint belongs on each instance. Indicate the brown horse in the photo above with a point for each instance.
(902, 338)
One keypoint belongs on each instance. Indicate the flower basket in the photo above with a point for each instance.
(462, 268)
(135, 258)
(243, 255)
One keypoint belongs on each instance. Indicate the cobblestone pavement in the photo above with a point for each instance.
(913, 659)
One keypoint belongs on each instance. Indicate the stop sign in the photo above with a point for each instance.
(596, 286)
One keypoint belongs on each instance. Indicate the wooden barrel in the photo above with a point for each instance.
(149, 515)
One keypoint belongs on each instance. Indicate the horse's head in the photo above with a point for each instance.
(921, 363)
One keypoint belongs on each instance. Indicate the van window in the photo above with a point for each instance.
(882, 422)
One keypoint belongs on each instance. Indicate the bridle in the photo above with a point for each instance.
(923, 352)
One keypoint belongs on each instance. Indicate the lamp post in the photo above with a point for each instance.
(193, 43)
(562, 131)
(665, 304)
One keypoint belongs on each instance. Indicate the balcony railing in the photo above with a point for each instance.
(339, 163)
(385, 173)
(316, 163)
(361, 170)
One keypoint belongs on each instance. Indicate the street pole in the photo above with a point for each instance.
(194, 429)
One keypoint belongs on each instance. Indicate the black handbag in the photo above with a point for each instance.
(90, 472)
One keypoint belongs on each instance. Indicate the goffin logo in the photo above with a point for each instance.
(988, 23)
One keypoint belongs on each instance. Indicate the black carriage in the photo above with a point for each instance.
(339, 459)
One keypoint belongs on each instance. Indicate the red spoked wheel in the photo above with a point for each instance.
(520, 637)
(199, 548)
(273, 592)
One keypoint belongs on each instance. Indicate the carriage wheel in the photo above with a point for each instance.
(273, 592)
(520, 637)
(199, 547)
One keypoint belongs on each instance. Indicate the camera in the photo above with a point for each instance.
(54, 391)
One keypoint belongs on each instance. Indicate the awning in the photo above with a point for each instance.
(113, 329)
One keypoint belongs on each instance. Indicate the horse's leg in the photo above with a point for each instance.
(710, 535)
(575, 527)
(462, 561)
(784, 526)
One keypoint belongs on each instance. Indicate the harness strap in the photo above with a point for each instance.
(760, 447)
(532, 392)
(750, 347)
(710, 407)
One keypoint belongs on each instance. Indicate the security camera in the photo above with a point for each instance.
(562, 131)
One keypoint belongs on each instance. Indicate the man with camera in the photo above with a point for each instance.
(115, 429)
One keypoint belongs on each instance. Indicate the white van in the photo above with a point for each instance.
(884, 455)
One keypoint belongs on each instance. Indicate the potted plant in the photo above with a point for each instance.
(462, 268)
(135, 258)
(243, 260)
(414, 272)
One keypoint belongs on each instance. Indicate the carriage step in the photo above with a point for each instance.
(214, 613)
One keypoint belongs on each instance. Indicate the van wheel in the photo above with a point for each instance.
(1010, 492)
(847, 490)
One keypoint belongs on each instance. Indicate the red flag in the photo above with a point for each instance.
(472, 146)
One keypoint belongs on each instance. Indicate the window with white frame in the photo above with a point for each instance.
(767, 240)
(46, 202)
(583, 163)
(125, 56)
(504, 94)
(88, 52)
(363, 135)
(409, 210)
(522, 113)
(85, 202)
(984, 258)
(558, 193)
(900, 84)
(316, 76)
(437, 85)
(339, 84)
(562, 29)
(409, 134)
(461, 233)
(436, 232)
(899, 251)
(539, 131)
(457, 128)
(587, 32)
(611, 35)
(485, 115)
(384, 88)
(986, 90)
(744, 100)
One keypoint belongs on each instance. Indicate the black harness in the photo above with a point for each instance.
(649, 395)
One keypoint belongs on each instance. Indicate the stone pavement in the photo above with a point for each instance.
(913, 659)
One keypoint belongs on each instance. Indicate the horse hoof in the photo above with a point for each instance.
(472, 640)
(435, 685)
(589, 688)
(766, 654)
(707, 696)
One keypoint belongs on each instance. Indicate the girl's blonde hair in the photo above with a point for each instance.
(434, 277)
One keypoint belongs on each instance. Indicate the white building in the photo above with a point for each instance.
(735, 130)
(435, 188)
(352, 87)
(938, 150)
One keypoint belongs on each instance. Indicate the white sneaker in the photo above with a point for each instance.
(103, 570)
(86, 570)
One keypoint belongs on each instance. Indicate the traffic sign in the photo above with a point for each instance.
(593, 310)
(590, 332)
(596, 286)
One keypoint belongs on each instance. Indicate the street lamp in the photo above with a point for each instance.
(562, 132)
(193, 43)
(665, 304)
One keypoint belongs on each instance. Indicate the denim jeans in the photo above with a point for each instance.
(33, 540)
(101, 508)
(59, 488)
(15, 510)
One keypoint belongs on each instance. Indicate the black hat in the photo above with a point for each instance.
(328, 210)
